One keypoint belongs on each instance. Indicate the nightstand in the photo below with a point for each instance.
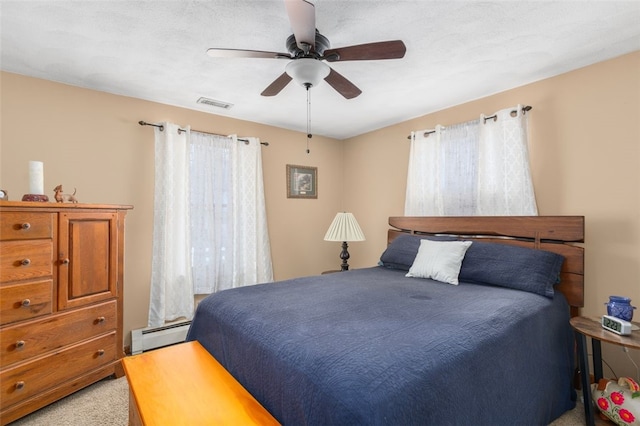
(590, 326)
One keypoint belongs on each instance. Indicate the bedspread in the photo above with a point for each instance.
(373, 347)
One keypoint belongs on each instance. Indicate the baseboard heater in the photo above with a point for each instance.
(146, 339)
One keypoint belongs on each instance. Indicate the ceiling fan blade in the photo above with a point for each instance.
(241, 53)
(394, 49)
(342, 85)
(277, 85)
(302, 16)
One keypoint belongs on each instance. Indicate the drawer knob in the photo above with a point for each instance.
(19, 385)
(101, 320)
(100, 352)
(25, 262)
(19, 344)
(26, 303)
(65, 261)
(25, 225)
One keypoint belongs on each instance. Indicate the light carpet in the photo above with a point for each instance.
(106, 403)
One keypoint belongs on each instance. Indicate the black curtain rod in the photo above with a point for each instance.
(161, 127)
(524, 110)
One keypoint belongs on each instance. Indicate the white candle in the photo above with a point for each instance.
(36, 177)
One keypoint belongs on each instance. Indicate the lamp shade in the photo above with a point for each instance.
(344, 228)
(307, 71)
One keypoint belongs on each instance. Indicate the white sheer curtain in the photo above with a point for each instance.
(212, 227)
(505, 187)
(220, 239)
(480, 167)
(171, 295)
(231, 241)
(252, 252)
(443, 171)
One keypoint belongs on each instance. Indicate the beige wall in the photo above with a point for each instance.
(91, 141)
(585, 156)
(585, 159)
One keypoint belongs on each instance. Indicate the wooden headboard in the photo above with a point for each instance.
(557, 234)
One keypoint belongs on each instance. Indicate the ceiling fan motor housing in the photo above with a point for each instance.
(322, 44)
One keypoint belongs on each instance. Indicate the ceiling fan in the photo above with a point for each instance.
(308, 51)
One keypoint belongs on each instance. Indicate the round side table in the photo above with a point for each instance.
(591, 326)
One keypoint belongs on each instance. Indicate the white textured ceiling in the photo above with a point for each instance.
(456, 51)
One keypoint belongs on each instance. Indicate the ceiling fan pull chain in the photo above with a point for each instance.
(309, 135)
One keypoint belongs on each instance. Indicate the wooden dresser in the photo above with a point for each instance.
(61, 284)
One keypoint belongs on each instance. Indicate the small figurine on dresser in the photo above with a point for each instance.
(64, 198)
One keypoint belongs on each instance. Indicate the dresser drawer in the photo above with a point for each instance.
(24, 301)
(26, 380)
(20, 342)
(26, 225)
(24, 260)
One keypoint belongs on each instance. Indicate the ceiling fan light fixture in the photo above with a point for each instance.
(307, 71)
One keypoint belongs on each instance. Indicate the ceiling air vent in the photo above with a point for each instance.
(213, 102)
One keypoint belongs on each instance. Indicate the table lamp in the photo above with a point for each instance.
(344, 228)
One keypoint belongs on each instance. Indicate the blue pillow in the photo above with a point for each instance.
(520, 268)
(402, 251)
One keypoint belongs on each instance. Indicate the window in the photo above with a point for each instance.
(476, 168)
(210, 226)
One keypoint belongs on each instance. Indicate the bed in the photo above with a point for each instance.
(373, 346)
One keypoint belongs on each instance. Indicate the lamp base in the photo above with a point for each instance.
(344, 255)
(35, 197)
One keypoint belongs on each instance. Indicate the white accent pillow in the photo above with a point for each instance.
(439, 260)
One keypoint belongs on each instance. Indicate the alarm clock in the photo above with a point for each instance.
(616, 325)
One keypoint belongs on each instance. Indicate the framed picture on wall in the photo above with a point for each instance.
(302, 181)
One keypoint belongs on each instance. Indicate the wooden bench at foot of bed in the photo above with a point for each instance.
(185, 385)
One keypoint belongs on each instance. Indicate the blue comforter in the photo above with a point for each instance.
(372, 347)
